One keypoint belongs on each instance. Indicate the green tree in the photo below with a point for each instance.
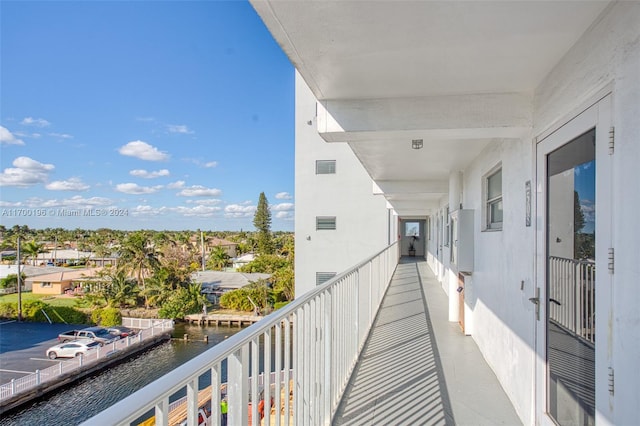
(262, 222)
(121, 292)
(139, 257)
(182, 302)
(218, 258)
(11, 280)
(32, 249)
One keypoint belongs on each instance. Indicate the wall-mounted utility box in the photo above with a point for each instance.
(462, 240)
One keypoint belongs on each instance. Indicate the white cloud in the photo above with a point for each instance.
(237, 210)
(146, 211)
(7, 138)
(31, 164)
(76, 201)
(176, 185)
(179, 128)
(282, 207)
(38, 122)
(143, 151)
(26, 172)
(284, 215)
(72, 184)
(199, 211)
(209, 202)
(211, 164)
(283, 196)
(61, 135)
(149, 175)
(200, 191)
(134, 188)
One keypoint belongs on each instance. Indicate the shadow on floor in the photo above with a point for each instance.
(399, 379)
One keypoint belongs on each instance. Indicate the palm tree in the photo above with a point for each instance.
(121, 292)
(139, 257)
(218, 258)
(32, 249)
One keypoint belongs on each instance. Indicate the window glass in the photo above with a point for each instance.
(493, 211)
(412, 229)
(494, 185)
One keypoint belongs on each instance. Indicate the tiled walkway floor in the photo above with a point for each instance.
(417, 368)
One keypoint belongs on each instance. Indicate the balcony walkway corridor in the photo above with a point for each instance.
(417, 368)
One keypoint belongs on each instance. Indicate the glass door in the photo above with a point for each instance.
(573, 233)
(570, 283)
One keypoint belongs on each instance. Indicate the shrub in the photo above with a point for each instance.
(110, 317)
(8, 310)
(279, 305)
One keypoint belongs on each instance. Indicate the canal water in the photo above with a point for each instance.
(84, 399)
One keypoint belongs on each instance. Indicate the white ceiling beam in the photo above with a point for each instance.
(411, 187)
(477, 116)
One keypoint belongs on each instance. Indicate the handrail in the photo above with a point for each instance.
(318, 336)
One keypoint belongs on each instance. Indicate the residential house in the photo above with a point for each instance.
(59, 282)
(215, 283)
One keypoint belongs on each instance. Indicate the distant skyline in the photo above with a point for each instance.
(143, 115)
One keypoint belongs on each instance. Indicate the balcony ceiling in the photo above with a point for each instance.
(455, 74)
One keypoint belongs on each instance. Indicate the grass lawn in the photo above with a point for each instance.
(51, 300)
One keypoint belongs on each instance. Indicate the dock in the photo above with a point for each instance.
(223, 319)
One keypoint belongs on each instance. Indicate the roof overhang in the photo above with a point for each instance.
(456, 74)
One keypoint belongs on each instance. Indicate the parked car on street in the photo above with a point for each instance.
(98, 334)
(121, 331)
(72, 349)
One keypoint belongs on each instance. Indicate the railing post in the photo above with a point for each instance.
(238, 366)
(267, 376)
(162, 412)
(192, 402)
(328, 367)
(13, 386)
(37, 377)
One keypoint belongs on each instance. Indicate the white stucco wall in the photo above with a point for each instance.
(502, 318)
(362, 218)
(608, 56)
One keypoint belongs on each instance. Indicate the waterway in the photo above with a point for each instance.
(82, 400)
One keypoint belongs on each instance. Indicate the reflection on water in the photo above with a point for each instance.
(84, 399)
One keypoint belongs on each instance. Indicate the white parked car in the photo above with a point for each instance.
(72, 349)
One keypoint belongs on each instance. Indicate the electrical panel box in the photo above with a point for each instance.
(462, 240)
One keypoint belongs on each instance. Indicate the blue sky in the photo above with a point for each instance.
(143, 115)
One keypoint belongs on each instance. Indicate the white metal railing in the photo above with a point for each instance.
(318, 337)
(572, 295)
(26, 383)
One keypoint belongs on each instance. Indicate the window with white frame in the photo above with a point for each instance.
(325, 167)
(322, 277)
(493, 199)
(325, 223)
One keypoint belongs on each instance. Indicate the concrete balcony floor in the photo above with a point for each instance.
(417, 368)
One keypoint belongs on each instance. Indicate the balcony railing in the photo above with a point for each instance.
(572, 300)
(315, 341)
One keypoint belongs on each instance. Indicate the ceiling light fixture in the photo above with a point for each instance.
(416, 144)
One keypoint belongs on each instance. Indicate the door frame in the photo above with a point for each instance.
(599, 115)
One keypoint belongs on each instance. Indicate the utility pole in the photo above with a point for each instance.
(19, 284)
(202, 248)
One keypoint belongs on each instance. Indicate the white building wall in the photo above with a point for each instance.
(364, 224)
(606, 57)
